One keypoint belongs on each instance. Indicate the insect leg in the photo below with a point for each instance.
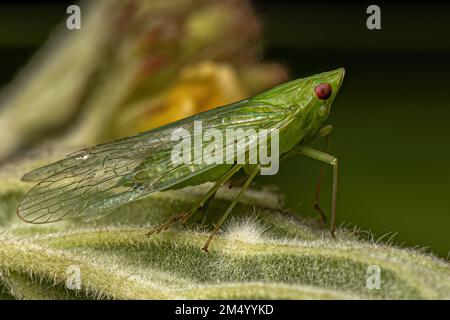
(324, 132)
(325, 157)
(185, 216)
(204, 201)
(230, 207)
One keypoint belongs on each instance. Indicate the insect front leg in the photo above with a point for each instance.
(198, 204)
(325, 157)
(323, 132)
(244, 188)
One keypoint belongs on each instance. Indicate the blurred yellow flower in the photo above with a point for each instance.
(199, 88)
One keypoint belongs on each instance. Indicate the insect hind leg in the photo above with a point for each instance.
(184, 217)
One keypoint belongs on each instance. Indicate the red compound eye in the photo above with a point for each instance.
(323, 91)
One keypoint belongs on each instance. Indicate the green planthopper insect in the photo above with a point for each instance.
(97, 180)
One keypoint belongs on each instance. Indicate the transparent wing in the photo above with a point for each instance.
(98, 180)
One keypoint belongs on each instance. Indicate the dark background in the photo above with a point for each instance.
(391, 117)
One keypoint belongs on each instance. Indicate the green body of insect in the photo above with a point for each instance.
(97, 180)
